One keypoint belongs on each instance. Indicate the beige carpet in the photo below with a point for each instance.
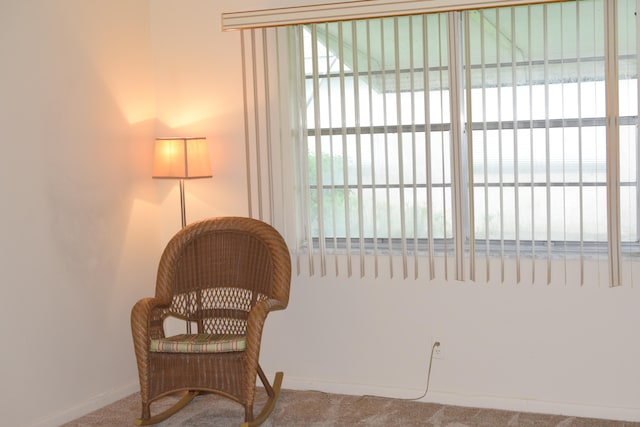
(317, 409)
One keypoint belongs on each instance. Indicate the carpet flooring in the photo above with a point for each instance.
(318, 409)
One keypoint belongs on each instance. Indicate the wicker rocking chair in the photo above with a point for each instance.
(223, 275)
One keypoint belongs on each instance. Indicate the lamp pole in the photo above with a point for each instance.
(182, 205)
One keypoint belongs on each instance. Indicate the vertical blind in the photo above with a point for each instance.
(496, 145)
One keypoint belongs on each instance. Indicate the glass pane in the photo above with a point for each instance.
(539, 139)
(378, 125)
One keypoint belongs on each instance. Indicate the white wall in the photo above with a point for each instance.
(84, 88)
(80, 224)
(523, 348)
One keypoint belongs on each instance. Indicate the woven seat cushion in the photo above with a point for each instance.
(199, 343)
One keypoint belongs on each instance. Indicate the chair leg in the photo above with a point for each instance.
(146, 420)
(265, 382)
(146, 410)
(273, 392)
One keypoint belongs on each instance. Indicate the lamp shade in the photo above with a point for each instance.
(183, 158)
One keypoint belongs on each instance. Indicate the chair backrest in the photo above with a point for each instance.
(214, 271)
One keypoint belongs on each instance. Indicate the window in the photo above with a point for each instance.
(474, 144)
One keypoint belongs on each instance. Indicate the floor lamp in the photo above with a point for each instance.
(181, 158)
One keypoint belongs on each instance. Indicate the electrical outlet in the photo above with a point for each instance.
(438, 351)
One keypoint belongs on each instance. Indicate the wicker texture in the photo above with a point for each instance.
(225, 275)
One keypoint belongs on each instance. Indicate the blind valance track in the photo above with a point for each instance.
(359, 9)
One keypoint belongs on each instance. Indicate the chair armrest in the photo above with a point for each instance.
(143, 330)
(140, 314)
(255, 323)
(258, 315)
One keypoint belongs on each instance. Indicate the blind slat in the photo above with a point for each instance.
(613, 142)
(400, 148)
(428, 158)
(469, 150)
(356, 96)
(455, 141)
(319, 178)
(516, 171)
(374, 219)
(414, 156)
(547, 139)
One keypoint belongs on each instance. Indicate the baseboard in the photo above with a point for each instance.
(493, 402)
(89, 405)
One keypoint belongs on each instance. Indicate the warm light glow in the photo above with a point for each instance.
(184, 158)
